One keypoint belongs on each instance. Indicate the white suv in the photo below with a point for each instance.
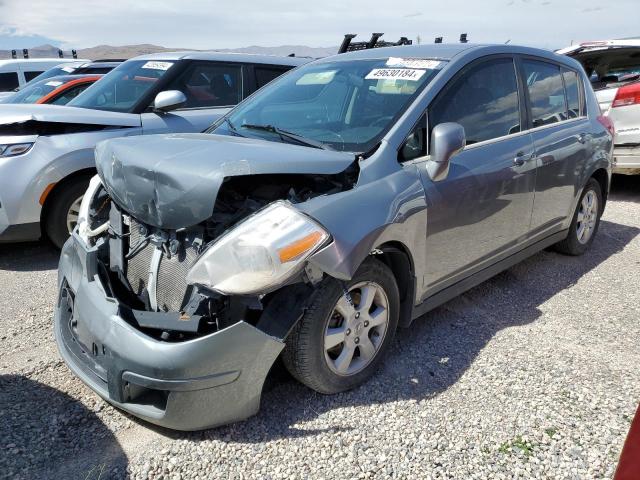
(613, 67)
(15, 73)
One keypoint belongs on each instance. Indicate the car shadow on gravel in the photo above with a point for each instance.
(28, 257)
(46, 434)
(431, 355)
(625, 188)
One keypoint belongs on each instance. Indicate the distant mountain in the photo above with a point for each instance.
(129, 51)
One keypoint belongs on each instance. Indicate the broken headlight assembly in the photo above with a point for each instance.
(14, 149)
(262, 251)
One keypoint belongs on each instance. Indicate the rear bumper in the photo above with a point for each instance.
(626, 160)
(196, 384)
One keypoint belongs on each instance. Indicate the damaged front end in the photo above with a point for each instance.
(176, 316)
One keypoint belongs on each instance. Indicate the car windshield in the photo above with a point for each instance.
(53, 72)
(343, 105)
(122, 88)
(34, 91)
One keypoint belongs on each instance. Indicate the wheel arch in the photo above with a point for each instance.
(397, 257)
(57, 188)
(602, 177)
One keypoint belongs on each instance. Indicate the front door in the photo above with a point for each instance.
(482, 211)
(211, 89)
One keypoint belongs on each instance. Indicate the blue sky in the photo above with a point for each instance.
(209, 24)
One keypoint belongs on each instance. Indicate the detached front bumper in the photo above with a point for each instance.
(196, 384)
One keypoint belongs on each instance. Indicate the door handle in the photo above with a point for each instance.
(521, 158)
(583, 137)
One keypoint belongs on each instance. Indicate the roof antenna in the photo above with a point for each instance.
(25, 53)
(74, 54)
(60, 54)
(14, 54)
(463, 38)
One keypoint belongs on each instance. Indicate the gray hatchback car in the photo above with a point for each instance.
(347, 198)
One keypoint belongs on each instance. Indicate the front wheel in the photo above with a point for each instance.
(342, 337)
(62, 211)
(585, 222)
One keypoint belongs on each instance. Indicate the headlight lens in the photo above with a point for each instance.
(261, 252)
(83, 214)
(12, 150)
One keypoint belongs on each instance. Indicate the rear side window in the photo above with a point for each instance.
(573, 93)
(483, 100)
(546, 92)
(8, 81)
(265, 75)
(210, 85)
(28, 76)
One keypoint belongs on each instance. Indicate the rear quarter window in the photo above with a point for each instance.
(8, 81)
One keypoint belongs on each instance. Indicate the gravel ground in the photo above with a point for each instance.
(533, 374)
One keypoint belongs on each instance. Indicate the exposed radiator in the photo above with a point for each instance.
(170, 285)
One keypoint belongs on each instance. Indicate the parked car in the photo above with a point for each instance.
(614, 69)
(58, 90)
(348, 197)
(17, 72)
(78, 68)
(46, 159)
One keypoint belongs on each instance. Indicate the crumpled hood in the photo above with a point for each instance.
(21, 113)
(172, 181)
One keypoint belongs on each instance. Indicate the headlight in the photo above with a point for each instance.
(12, 150)
(84, 225)
(262, 251)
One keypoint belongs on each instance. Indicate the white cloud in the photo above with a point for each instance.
(207, 24)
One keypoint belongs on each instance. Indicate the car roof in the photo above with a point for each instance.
(70, 78)
(599, 45)
(227, 57)
(56, 61)
(105, 63)
(444, 51)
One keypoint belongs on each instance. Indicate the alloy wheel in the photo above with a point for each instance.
(356, 328)
(587, 217)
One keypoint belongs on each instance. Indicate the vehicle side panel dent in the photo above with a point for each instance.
(391, 209)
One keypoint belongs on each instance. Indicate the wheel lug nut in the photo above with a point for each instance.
(357, 314)
(348, 332)
(366, 324)
(357, 340)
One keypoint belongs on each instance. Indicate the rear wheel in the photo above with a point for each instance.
(586, 220)
(341, 339)
(62, 211)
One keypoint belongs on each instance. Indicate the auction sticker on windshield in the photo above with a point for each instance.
(158, 65)
(395, 74)
(413, 63)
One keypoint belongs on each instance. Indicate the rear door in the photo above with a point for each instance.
(482, 210)
(211, 88)
(561, 135)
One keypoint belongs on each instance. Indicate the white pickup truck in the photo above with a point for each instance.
(614, 69)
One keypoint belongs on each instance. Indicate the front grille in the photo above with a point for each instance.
(171, 280)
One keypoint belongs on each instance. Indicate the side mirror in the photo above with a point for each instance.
(169, 100)
(447, 139)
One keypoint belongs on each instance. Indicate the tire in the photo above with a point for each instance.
(305, 356)
(58, 209)
(575, 244)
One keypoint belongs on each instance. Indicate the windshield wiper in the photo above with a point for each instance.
(288, 135)
(231, 127)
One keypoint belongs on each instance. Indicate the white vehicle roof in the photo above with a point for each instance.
(599, 45)
(36, 61)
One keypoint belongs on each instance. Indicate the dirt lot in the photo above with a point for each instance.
(533, 374)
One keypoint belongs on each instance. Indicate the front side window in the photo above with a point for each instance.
(210, 85)
(122, 89)
(345, 105)
(546, 92)
(8, 81)
(483, 100)
(573, 92)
